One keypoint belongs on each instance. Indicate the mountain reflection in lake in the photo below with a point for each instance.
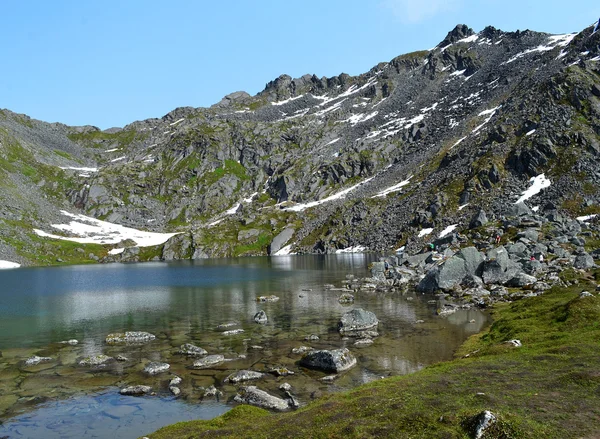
(184, 302)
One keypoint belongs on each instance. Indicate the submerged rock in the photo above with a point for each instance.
(357, 320)
(233, 332)
(227, 325)
(302, 350)
(208, 361)
(261, 317)
(270, 298)
(243, 375)
(96, 360)
(155, 367)
(259, 398)
(129, 337)
(281, 371)
(71, 342)
(191, 350)
(136, 390)
(346, 298)
(336, 360)
(212, 391)
(35, 360)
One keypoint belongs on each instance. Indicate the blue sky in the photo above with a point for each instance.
(108, 63)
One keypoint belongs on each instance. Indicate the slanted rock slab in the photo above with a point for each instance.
(259, 398)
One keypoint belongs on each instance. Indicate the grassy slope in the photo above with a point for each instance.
(548, 388)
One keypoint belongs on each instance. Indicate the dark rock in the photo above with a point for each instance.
(336, 360)
(480, 219)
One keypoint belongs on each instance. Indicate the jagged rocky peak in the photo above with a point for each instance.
(460, 32)
(238, 97)
(284, 87)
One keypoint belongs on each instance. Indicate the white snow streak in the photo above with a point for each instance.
(537, 184)
(284, 251)
(553, 42)
(394, 188)
(177, 122)
(286, 101)
(337, 196)
(80, 169)
(333, 141)
(425, 232)
(586, 218)
(448, 230)
(356, 249)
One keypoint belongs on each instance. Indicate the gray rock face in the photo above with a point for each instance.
(243, 375)
(155, 367)
(446, 276)
(96, 360)
(480, 219)
(191, 350)
(357, 320)
(280, 240)
(129, 337)
(518, 249)
(135, 390)
(210, 360)
(259, 398)
(261, 317)
(35, 360)
(336, 360)
(531, 234)
(584, 261)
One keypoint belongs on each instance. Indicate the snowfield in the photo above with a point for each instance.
(87, 230)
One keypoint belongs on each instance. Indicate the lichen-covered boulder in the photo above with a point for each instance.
(155, 367)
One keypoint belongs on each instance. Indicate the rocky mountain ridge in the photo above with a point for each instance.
(379, 161)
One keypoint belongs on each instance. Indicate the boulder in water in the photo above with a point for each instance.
(336, 360)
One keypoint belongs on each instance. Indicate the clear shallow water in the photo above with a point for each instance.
(184, 302)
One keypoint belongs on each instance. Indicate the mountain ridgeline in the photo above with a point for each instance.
(319, 165)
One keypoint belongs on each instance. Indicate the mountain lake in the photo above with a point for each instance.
(194, 302)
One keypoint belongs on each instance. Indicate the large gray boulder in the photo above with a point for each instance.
(498, 268)
(584, 261)
(357, 320)
(473, 260)
(446, 276)
(336, 360)
(259, 398)
(518, 249)
(519, 209)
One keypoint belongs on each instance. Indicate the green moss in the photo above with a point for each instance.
(63, 154)
(546, 388)
(97, 138)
